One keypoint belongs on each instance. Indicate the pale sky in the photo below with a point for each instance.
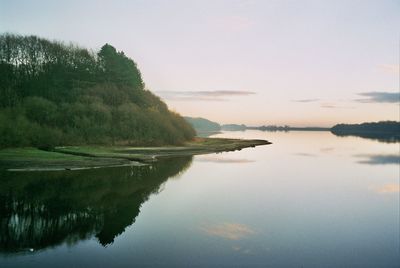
(254, 62)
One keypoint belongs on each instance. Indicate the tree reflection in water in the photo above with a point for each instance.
(44, 209)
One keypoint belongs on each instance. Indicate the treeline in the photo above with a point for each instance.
(385, 131)
(56, 94)
(383, 126)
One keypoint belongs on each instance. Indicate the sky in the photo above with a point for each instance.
(301, 63)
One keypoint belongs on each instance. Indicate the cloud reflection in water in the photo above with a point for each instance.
(380, 159)
(231, 231)
(389, 188)
(224, 160)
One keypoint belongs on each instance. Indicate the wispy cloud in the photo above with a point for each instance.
(390, 68)
(306, 100)
(334, 106)
(328, 105)
(379, 97)
(211, 95)
(324, 103)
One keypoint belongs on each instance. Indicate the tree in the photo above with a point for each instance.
(52, 94)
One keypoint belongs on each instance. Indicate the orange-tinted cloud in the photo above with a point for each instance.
(390, 68)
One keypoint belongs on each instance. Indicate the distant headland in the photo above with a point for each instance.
(385, 131)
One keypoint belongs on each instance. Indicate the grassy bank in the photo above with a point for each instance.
(78, 157)
(32, 159)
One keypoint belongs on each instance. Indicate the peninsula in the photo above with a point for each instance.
(66, 107)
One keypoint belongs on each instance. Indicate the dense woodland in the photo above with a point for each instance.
(56, 94)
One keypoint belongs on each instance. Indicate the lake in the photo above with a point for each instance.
(310, 199)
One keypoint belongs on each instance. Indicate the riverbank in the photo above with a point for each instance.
(86, 157)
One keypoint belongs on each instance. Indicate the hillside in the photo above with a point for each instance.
(234, 127)
(56, 94)
(202, 124)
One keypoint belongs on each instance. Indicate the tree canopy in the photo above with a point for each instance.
(57, 94)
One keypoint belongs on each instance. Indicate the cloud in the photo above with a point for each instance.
(379, 97)
(326, 149)
(328, 105)
(231, 231)
(211, 95)
(334, 106)
(306, 100)
(390, 68)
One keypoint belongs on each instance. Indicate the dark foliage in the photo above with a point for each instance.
(386, 131)
(56, 94)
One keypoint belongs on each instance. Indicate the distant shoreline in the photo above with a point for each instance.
(290, 128)
(384, 131)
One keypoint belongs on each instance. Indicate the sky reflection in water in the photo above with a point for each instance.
(267, 206)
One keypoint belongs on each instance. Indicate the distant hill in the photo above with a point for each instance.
(55, 94)
(388, 131)
(202, 124)
(234, 127)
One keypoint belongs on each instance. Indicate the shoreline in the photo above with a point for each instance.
(92, 157)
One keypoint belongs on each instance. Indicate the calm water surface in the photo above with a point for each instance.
(310, 199)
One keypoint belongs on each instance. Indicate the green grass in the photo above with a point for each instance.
(146, 154)
(74, 157)
(35, 159)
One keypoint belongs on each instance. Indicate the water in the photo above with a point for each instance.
(311, 199)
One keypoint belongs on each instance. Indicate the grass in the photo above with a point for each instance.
(77, 157)
(34, 159)
(148, 154)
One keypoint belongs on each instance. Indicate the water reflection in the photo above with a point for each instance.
(389, 188)
(381, 137)
(221, 159)
(377, 159)
(44, 209)
(327, 149)
(306, 154)
(231, 231)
